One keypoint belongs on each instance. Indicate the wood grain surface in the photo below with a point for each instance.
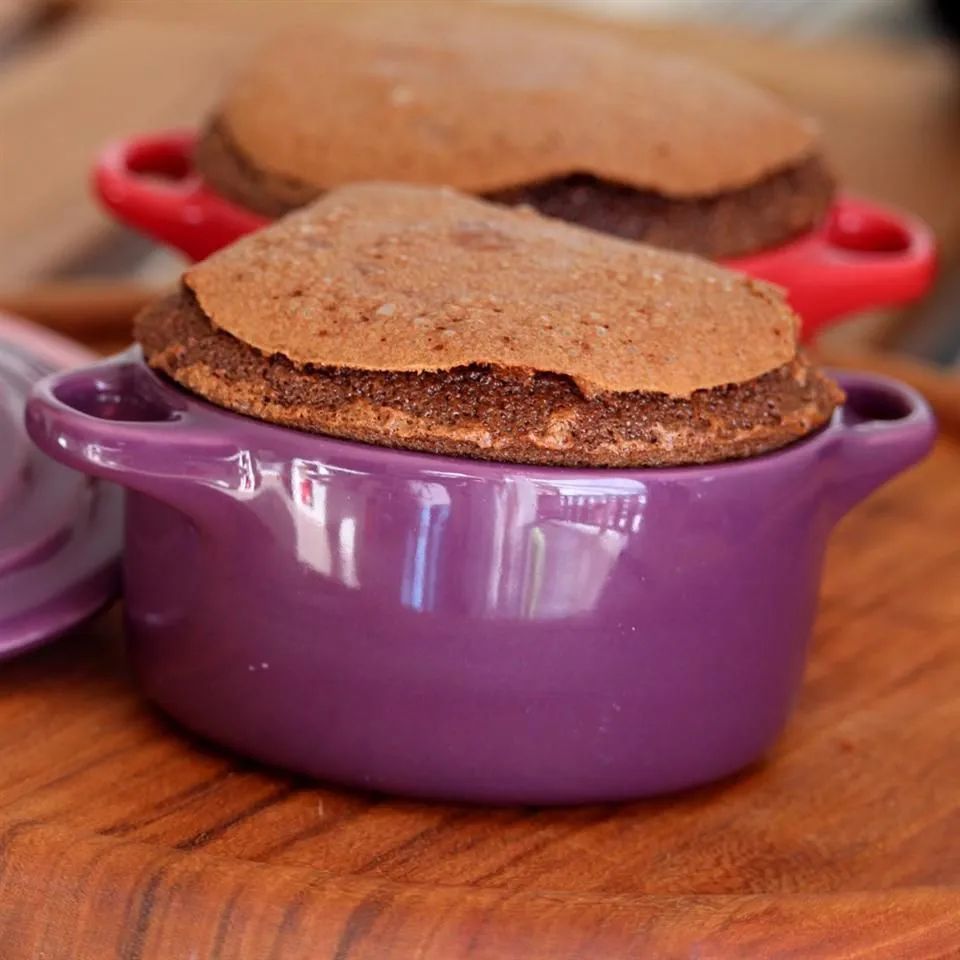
(122, 837)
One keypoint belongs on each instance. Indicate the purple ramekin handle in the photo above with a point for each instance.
(111, 420)
(885, 427)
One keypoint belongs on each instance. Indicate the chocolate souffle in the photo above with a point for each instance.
(578, 123)
(420, 318)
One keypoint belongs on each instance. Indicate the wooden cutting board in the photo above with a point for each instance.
(123, 837)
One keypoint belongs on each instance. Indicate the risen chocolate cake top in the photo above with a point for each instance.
(484, 100)
(404, 278)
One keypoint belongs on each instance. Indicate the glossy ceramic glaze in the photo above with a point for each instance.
(862, 255)
(60, 531)
(458, 629)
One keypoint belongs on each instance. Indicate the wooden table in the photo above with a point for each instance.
(123, 837)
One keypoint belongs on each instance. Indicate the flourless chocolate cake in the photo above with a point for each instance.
(425, 319)
(579, 123)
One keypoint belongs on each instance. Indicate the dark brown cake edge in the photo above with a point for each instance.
(764, 214)
(484, 413)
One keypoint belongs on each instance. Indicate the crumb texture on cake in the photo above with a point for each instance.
(484, 412)
(484, 101)
(403, 278)
(764, 214)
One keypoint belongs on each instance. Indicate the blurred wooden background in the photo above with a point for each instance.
(75, 73)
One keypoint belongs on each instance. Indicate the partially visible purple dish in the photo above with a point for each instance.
(60, 531)
(461, 629)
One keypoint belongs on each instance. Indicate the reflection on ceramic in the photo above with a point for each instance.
(60, 531)
(454, 628)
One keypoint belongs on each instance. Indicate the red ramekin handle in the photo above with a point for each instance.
(149, 183)
(863, 255)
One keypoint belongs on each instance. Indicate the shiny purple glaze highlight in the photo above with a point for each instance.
(457, 629)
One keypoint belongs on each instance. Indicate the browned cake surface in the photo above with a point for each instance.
(482, 412)
(420, 318)
(404, 278)
(479, 100)
(727, 224)
(490, 104)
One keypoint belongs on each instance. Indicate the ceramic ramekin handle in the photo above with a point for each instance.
(863, 255)
(149, 183)
(113, 420)
(885, 427)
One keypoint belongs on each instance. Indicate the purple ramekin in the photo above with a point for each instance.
(465, 630)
